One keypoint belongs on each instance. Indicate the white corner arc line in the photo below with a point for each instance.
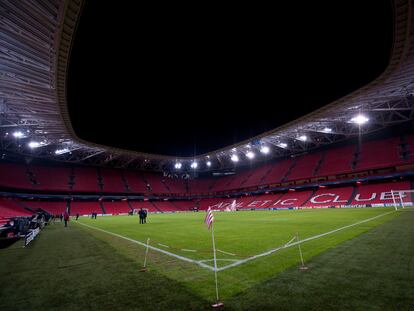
(231, 254)
(237, 263)
(151, 247)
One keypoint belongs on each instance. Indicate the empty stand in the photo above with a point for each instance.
(112, 181)
(86, 180)
(51, 178)
(9, 208)
(175, 185)
(257, 175)
(54, 208)
(305, 166)
(135, 182)
(337, 161)
(156, 182)
(115, 208)
(278, 172)
(85, 208)
(200, 185)
(14, 176)
(379, 153)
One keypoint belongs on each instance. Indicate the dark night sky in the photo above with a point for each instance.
(187, 80)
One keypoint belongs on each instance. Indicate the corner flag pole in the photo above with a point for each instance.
(303, 267)
(145, 260)
(215, 262)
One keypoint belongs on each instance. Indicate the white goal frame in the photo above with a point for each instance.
(396, 196)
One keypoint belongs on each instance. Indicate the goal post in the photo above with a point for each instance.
(398, 198)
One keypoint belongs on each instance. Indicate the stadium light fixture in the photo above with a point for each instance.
(34, 144)
(208, 163)
(265, 149)
(250, 155)
(359, 119)
(235, 158)
(178, 165)
(327, 130)
(282, 145)
(303, 138)
(194, 165)
(18, 134)
(61, 151)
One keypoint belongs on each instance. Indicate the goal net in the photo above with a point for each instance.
(399, 201)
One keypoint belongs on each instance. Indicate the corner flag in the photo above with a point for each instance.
(209, 218)
(209, 222)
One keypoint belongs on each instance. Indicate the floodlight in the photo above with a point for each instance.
(265, 149)
(282, 145)
(178, 165)
(327, 130)
(235, 158)
(360, 119)
(208, 163)
(303, 138)
(34, 144)
(18, 134)
(61, 151)
(250, 155)
(194, 165)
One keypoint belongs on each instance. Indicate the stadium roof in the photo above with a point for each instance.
(36, 39)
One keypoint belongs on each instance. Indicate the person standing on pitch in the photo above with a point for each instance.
(145, 215)
(141, 216)
(66, 218)
(77, 216)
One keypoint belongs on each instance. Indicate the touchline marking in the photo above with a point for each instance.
(152, 247)
(231, 254)
(237, 263)
(188, 250)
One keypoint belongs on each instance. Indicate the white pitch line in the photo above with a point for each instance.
(207, 260)
(237, 263)
(151, 247)
(189, 250)
(231, 254)
(290, 241)
(163, 245)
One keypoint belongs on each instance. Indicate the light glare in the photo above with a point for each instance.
(265, 149)
(18, 134)
(235, 158)
(250, 155)
(360, 119)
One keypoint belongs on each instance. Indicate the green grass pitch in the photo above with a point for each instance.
(372, 252)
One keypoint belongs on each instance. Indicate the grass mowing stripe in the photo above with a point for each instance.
(151, 247)
(299, 242)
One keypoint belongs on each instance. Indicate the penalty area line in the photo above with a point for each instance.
(287, 245)
(201, 264)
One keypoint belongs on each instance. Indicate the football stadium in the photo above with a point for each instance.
(312, 213)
